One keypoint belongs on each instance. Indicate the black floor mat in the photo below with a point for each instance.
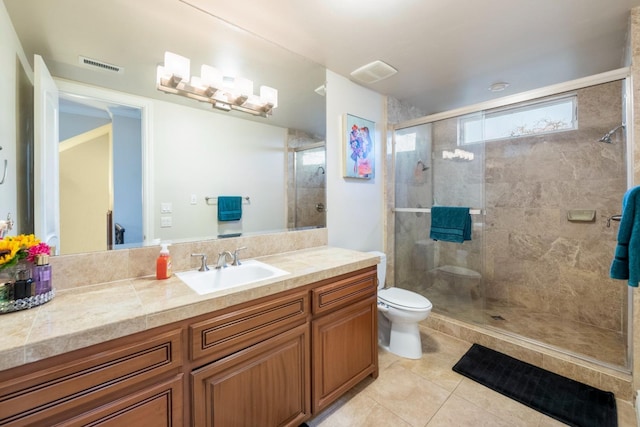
(564, 399)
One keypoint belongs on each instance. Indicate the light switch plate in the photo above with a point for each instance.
(194, 199)
(165, 221)
(165, 207)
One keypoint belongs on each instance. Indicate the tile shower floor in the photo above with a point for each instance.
(427, 393)
(580, 338)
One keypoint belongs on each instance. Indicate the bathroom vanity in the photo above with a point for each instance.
(281, 353)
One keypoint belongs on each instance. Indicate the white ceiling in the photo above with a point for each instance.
(447, 52)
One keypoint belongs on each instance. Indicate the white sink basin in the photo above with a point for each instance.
(204, 282)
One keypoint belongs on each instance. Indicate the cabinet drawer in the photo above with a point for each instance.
(344, 291)
(157, 406)
(222, 335)
(63, 388)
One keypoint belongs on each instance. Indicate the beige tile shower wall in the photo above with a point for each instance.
(535, 257)
(71, 271)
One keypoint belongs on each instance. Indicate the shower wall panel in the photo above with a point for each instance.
(535, 257)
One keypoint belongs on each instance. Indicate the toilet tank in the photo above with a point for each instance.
(382, 268)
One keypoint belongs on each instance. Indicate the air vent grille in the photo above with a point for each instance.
(100, 65)
(373, 72)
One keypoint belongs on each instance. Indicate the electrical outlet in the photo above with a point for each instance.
(165, 221)
(165, 207)
(194, 199)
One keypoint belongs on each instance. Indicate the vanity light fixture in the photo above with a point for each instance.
(222, 92)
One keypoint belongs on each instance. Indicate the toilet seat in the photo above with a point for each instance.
(404, 299)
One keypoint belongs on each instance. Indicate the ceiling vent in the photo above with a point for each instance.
(373, 72)
(100, 65)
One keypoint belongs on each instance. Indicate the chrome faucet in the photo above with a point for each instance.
(203, 262)
(222, 259)
(236, 260)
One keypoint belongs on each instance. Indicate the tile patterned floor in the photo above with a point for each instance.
(427, 393)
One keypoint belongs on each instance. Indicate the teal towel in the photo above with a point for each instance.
(626, 263)
(229, 208)
(450, 224)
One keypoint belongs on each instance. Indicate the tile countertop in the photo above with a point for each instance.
(89, 315)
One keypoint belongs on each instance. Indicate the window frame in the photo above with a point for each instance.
(483, 115)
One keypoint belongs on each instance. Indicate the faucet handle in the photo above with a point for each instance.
(236, 260)
(203, 262)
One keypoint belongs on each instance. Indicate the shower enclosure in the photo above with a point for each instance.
(541, 183)
(307, 178)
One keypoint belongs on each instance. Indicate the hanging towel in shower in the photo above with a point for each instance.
(229, 208)
(626, 262)
(450, 224)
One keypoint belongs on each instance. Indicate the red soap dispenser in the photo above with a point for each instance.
(163, 263)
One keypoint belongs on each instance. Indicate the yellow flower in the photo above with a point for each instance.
(15, 248)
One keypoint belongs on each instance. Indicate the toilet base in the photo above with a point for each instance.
(404, 340)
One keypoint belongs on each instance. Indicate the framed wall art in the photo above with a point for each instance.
(358, 147)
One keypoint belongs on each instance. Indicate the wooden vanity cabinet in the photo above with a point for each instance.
(344, 335)
(296, 359)
(132, 380)
(260, 364)
(274, 361)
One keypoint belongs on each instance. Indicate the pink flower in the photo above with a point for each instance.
(39, 249)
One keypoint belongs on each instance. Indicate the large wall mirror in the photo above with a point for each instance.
(168, 157)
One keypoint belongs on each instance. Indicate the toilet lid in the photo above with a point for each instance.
(403, 298)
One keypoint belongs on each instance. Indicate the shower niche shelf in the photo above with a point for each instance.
(581, 215)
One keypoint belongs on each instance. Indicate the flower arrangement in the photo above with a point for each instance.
(14, 249)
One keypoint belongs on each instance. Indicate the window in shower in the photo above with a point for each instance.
(313, 158)
(551, 115)
(405, 142)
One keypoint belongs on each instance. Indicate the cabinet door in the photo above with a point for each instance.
(264, 385)
(345, 351)
(155, 406)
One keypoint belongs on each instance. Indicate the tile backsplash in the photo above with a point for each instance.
(71, 271)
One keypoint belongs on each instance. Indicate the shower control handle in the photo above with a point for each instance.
(613, 218)
(320, 207)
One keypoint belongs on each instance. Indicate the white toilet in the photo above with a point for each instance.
(404, 309)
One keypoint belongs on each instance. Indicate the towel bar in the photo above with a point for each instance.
(214, 200)
(428, 210)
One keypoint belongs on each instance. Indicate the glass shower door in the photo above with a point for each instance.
(431, 170)
(310, 187)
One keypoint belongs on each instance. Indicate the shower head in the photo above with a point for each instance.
(421, 166)
(607, 137)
